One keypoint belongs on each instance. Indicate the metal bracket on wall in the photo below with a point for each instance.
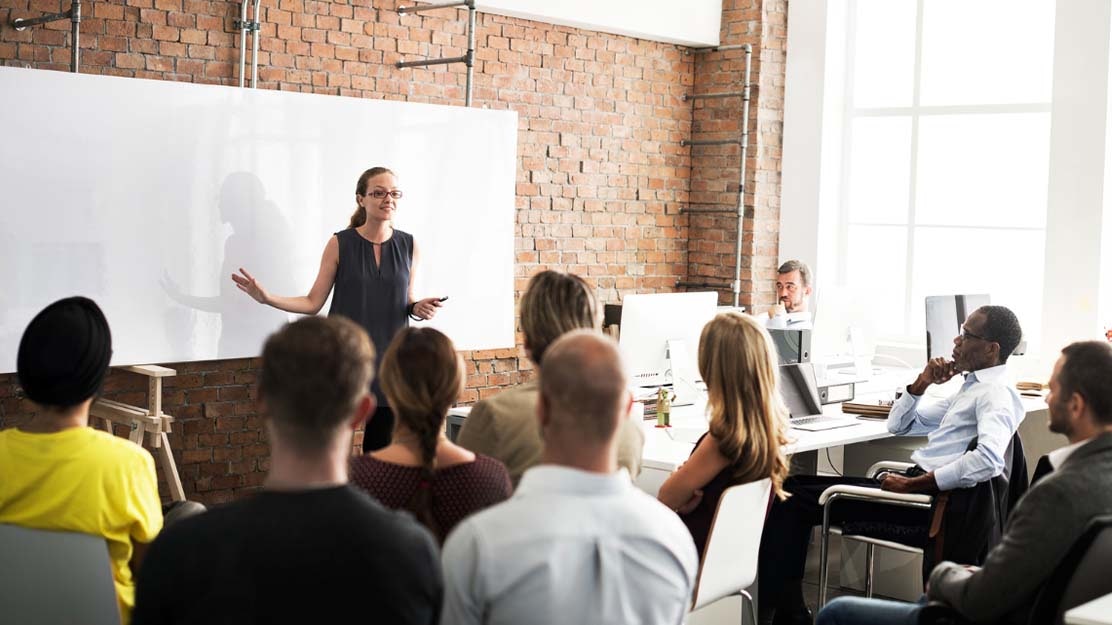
(468, 58)
(743, 141)
(244, 26)
(74, 16)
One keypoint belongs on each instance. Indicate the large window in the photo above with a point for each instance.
(944, 156)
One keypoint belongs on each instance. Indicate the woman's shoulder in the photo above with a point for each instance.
(367, 468)
(483, 471)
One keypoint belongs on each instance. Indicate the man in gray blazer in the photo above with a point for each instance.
(1045, 523)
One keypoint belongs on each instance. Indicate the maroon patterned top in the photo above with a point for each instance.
(457, 491)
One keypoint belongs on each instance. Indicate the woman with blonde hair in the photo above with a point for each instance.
(421, 471)
(747, 422)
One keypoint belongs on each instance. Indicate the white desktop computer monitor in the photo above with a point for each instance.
(659, 338)
(945, 314)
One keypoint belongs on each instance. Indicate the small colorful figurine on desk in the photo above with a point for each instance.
(663, 408)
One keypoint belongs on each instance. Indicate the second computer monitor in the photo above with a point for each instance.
(945, 314)
(651, 321)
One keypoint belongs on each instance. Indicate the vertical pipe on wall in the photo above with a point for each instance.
(75, 38)
(242, 40)
(470, 51)
(255, 44)
(741, 173)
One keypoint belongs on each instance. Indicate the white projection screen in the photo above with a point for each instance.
(146, 195)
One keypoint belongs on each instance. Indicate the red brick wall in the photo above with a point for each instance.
(602, 180)
(715, 169)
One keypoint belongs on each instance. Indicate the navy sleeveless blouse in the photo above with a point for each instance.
(374, 295)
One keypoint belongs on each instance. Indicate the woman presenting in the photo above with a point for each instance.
(372, 267)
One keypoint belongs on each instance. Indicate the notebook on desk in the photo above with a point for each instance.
(801, 393)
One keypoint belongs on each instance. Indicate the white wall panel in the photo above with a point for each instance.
(685, 22)
(146, 196)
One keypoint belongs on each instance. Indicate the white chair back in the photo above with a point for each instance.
(730, 557)
(55, 577)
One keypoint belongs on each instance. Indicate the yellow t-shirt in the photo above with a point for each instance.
(83, 480)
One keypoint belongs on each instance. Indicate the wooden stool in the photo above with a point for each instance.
(150, 421)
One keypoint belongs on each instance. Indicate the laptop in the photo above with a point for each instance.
(801, 393)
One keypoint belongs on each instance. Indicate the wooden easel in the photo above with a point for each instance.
(150, 421)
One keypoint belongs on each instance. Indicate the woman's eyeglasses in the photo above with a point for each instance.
(378, 194)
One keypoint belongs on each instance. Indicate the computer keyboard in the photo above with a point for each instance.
(806, 420)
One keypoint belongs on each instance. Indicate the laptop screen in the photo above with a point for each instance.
(799, 389)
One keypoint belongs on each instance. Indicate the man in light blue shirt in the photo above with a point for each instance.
(985, 409)
(577, 543)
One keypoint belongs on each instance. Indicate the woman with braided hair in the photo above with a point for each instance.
(421, 470)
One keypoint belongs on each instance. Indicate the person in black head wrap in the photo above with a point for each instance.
(64, 353)
(58, 473)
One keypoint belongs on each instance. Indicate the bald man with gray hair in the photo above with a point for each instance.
(577, 542)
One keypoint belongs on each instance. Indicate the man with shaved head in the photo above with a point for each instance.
(577, 542)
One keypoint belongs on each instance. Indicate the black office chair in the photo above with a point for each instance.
(965, 523)
(1079, 578)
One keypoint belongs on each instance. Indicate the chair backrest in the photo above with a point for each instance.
(1080, 577)
(55, 577)
(730, 557)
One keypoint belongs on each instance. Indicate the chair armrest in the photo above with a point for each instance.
(872, 494)
(888, 465)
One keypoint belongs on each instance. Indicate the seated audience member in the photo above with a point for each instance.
(421, 471)
(1046, 522)
(308, 548)
(56, 472)
(793, 290)
(985, 409)
(747, 417)
(577, 543)
(504, 427)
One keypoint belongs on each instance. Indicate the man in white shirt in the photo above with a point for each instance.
(1046, 522)
(793, 288)
(577, 543)
(986, 409)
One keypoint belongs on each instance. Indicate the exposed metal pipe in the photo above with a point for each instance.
(721, 286)
(685, 142)
(714, 49)
(471, 18)
(74, 15)
(255, 45)
(244, 25)
(425, 63)
(701, 210)
(75, 36)
(721, 94)
(432, 7)
(741, 174)
(467, 59)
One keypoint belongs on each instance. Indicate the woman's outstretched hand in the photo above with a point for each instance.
(249, 285)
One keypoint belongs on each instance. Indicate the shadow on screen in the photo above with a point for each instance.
(260, 241)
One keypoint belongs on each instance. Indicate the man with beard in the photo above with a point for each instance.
(1045, 523)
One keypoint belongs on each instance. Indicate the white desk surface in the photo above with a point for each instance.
(663, 453)
(1096, 612)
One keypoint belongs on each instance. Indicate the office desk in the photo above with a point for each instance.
(1096, 612)
(662, 454)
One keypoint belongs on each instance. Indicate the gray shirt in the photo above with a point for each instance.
(1040, 531)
